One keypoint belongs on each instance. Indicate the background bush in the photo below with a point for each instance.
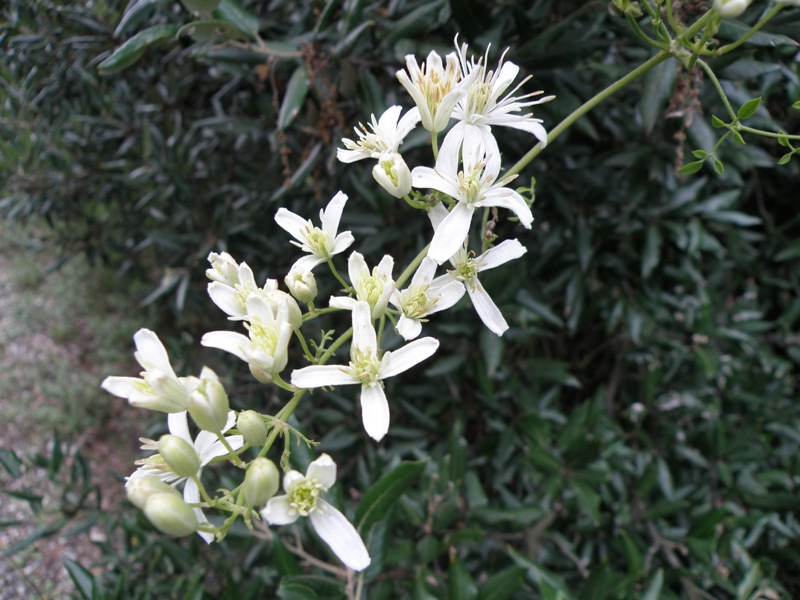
(635, 432)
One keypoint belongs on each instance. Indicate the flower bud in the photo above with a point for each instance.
(139, 490)
(392, 174)
(224, 269)
(180, 455)
(260, 482)
(208, 403)
(252, 428)
(302, 285)
(729, 9)
(170, 514)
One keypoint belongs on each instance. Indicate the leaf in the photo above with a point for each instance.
(201, 7)
(652, 251)
(653, 591)
(692, 167)
(718, 166)
(502, 585)
(538, 308)
(284, 560)
(382, 495)
(749, 108)
(135, 13)
(657, 88)
(796, 105)
(492, 351)
(459, 582)
(85, 581)
(129, 52)
(57, 456)
(230, 10)
(784, 160)
(44, 531)
(11, 462)
(210, 30)
(309, 587)
(296, 92)
(716, 122)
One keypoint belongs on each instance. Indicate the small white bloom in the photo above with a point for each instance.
(387, 134)
(303, 497)
(482, 106)
(206, 445)
(466, 269)
(392, 174)
(224, 269)
(158, 388)
(421, 299)
(321, 244)
(266, 348)
(375, 288)
(434, 87)
(302, 285)
(367, 369)
(473, 187)
(730, 9)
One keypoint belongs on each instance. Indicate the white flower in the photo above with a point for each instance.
(367, 369)
(474, 187)
(482, 106)
(303, 497)
(374, 288)
(158, 388)
(207, 446)
(392, 174)
(729, 9)
(387, 134)
(321, 244)
(421, 299)
(302, 285)
(434, 88)
(266, 348)
(466, 270)
(234, 283)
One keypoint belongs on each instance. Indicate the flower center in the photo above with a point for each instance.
(390, 168)
(370, 288)
(317, 242)
(303, 496)
(466, 271)
(471, 185)
(264, 337)
(366, 366)
(415, 302)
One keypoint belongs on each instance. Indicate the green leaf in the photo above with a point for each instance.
(796, 105)
(502, 585)
(57, 456)
(652, 251)
(309, 587)
(296, 92)
(716, 122)
(44, 531)
(492, 351)
(737, 137)
(11, 462)
(382, 495)
(459, 582)
(129, 52)
(699, 153)
(231, 11)
(135, 13)
(210, 30)
(692, 167)
(784, 160)
(657, 89)
(749, 108)
(85, 581)
(653, 591)
(284, 560)
(718, 166)
(202, 7)
(749, 583)
(538, 308)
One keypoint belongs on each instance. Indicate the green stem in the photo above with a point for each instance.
(754, 29)
(338, 277)
(303, 343)
(283, 415)
(671, 18)
(641, 34)
(231, 452)
(409, 270)
(278, 380)
(203, 491)
(435, 145)
(587, 106)
(335, 346)
(380, 329)
(770, 134)
(718, 86)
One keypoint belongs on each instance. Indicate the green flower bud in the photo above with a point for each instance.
(208, 403)
(180, 455)
(140, 489)
(252, 427)
(260, 482)
(170, 514)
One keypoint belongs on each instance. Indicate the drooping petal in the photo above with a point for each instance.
(507, 198)
(404, 358)
(292, 223)
(452, 232)
(324, 471)
(123, 387)
(317, 376)
(342, 302)
(178, 424)
(427, 178)
(340, 535)
(230, 341)
(191, 495)
(533, 126)
(374, 410)
(500, 254)
(308, 262)
(279, 511)
(364, 337)
(226, 298)
(486, 308)
(408, 328)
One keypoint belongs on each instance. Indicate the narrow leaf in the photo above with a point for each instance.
(85, 581)
(460, 583)
(296, 92)
(129, 52)
(749, 108)
(692, 167)
(653, 591)
(380, 497)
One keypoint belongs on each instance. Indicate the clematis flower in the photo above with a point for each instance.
(387, 134)
(392, 174)
(368, 369)
(321, 244)
(729, 9)
(303, 498)
(475, 186)
(482, 106)
(266, 348)
(435, 88)
(159, 388)
(421, 299)
(375, 288)
(207, 446)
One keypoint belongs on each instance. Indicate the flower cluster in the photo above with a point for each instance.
(466, 175)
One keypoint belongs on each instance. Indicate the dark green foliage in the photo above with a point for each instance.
(635, 433)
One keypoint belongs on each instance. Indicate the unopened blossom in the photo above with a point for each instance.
(730, 9)
(373, 287)
(476, 185)
(265, 349)
(421, 298)
(435, 87)
(158, 388)
(368, 369)
(380, 137)
(303, 498)
(207, 447)
(484, 105)
(320, 243)
(233, 283)
(393, 174)
(302, 285)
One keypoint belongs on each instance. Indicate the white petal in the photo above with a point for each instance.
(452, 232)
(447, 160)
(342, 302)
(191, 495)
(324, 471)
(408, 122)
(178, 425)
(500, 254)
(447, 296)
(307, 262)
(279, 511)
(425, 272)
(356, 268)
(437, 213)
(333, 214)
(150, 352)
(293, 223)
(122, 387)
(427, 178)
(336, 531)
(322, 376)
(374, 411)
(406, 357)
(232, 342)
(364, 337)
(486, 308)
(408, 328)
(533, 126)
(226, 298)
(342, 242)
(507, 198)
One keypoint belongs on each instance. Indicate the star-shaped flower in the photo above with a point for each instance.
(387, 134)
(375, 287)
